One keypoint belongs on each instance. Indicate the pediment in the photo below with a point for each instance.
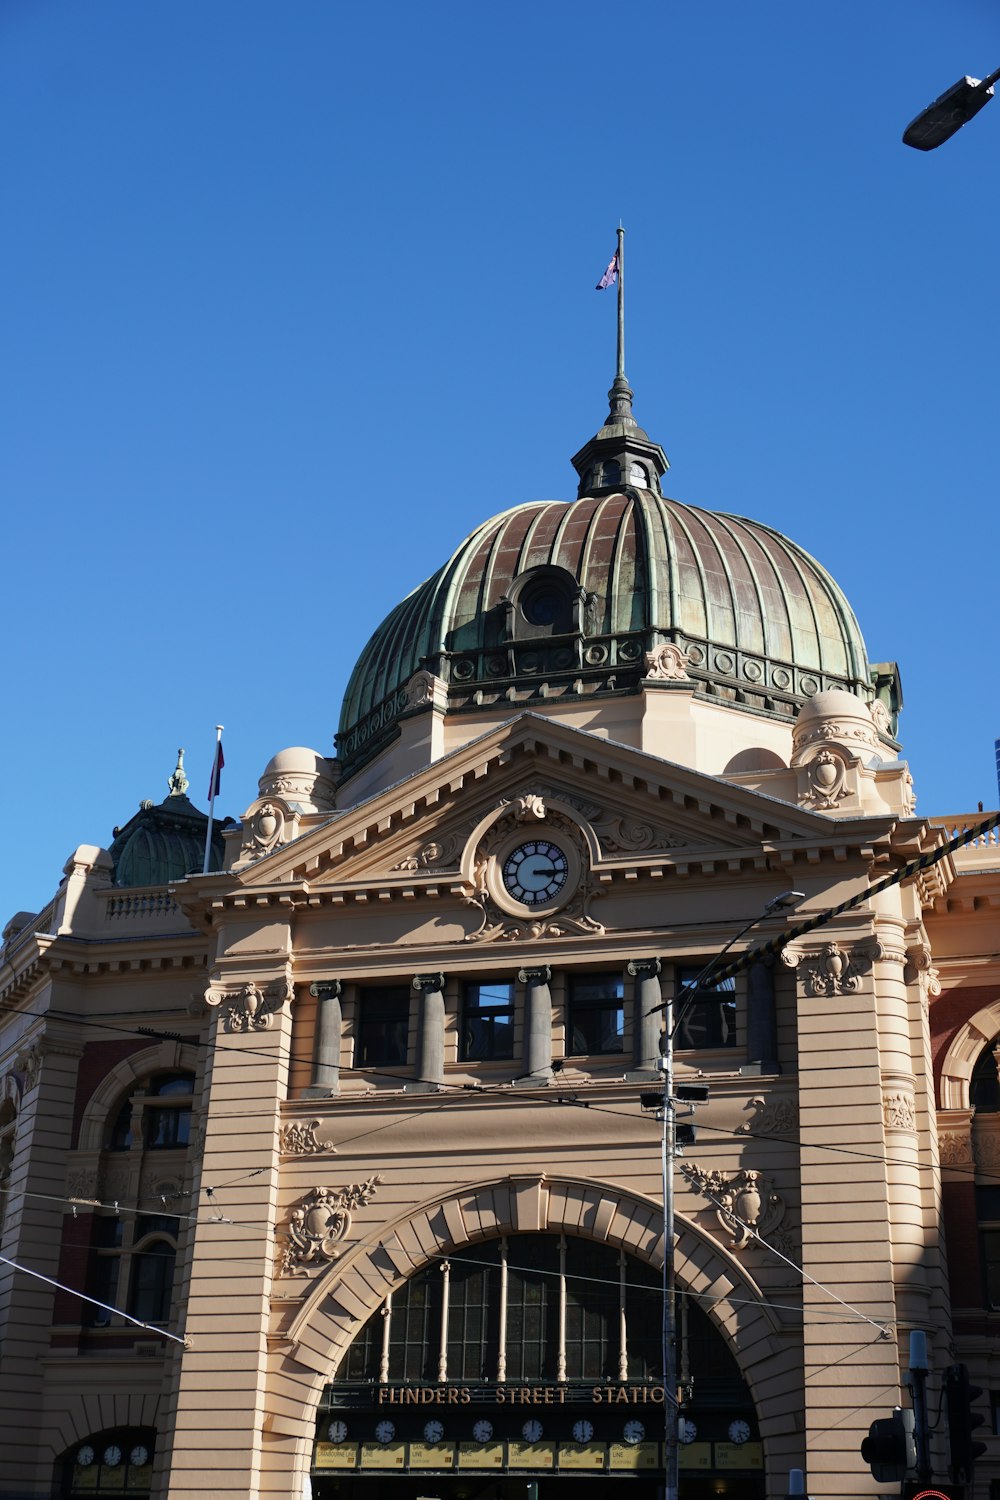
(630, 807)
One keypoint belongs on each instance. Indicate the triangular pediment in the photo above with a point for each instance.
(634, 807)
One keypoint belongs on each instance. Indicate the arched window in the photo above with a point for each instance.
(984, 1087)
(612, 472)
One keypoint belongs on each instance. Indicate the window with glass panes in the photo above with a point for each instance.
(709, 1020)
(383, 1021)
(487, 1021)
(596, 1017)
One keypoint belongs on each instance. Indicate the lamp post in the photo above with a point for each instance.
(949, 112)
(666, 1104)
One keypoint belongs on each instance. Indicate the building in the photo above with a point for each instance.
(353, 1127)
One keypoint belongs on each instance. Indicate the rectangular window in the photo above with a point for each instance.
(710, 1019)
(382, 1027)
(596, 1015)
(991, 1266)
(487, 1022)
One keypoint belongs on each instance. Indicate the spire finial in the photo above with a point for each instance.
(620, 373)
(178, 782)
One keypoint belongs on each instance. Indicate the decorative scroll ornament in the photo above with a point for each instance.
(899, 1111)
(617, 833)
(827, 776)
(425, 690)
(833, 970)
(881, 718)
(666, 663)
(81, 1184)
(746, 1205)
(432, 855)
(496, 923)
(955, 1148)
(320, 1222)
(774, 1117)
(301, 1140)
(920, 969)
(251, 1008)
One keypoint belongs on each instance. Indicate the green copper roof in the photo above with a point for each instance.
(165, 842)
(760, 623)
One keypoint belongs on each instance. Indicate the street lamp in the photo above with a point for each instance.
(666, 1103)
(955, 108)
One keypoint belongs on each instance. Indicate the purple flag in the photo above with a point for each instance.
(610, 276)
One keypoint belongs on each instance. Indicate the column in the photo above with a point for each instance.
(646, 1027)
(537, 1027)
(329, 1023)
(430, 1052)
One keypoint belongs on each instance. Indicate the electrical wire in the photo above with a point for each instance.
(148, 1327)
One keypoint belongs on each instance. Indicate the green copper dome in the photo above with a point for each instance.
(551, 599)
(166, 841)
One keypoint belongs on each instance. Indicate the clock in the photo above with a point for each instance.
(433, 1432)
(139, 1457)
(112, 1456)
(385, 1432)
(336, 1432)
(535, 872)
(739, 1431)
(85, 1456)
(532, 1430)
(483, 1431)
(583, 1431)
(634, 1432)
(686, 1430)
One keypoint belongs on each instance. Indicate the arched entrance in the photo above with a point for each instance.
(521, 1365)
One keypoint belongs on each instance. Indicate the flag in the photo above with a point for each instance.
(610, 276)
(215, 781)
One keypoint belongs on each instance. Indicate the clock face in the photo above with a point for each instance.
(583, 1431)
(739, 1431)
(85, 1457)
(532, 1431)
(112, 1455)
(535, 872)
(483, 1431)
(686, 1430)
(139, 1457)
(433, 1432)
(634, 1432)
(385, 1432)
(336, 1432)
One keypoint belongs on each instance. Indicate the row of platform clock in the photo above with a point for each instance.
(633, 1431)
(112, 1457)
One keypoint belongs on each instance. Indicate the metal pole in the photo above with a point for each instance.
(621, 302)
(669, 1329)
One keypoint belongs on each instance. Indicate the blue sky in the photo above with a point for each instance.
(294, 295)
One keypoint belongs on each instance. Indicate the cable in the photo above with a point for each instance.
(149, 1327)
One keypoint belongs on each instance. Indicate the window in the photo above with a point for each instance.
(151, 1273)
(384, 1022)
(984, 1088)
(487, 1022)
(706, 1022)
(596, 1015)
(637, 474)
(988, 1214)
(612, 472)
(164, 1121)
(132, 1265)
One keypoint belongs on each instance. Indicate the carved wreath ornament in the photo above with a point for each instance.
(319, 1222)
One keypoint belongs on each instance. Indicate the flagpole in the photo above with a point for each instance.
(211, 797)
(621, 303)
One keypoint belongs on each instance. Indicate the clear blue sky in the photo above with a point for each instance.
(296, 294)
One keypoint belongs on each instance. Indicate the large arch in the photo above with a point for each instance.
(962, 1054)
(339, 1303)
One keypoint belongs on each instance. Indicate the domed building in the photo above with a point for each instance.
(343, 1161)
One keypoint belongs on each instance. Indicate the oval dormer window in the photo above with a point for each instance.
(545, 603)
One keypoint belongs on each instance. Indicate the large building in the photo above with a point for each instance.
(349, 1141)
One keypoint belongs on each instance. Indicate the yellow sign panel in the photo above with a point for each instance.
(532, 1455)
(634, 1456)
(581, 1455)
(383, 1455)
(480, 1455)
(336, 1456)
(739, 1456)
(695, 1455)
(432, 1455)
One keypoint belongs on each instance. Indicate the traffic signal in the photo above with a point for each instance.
(890, 1449)
(962, 1423)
